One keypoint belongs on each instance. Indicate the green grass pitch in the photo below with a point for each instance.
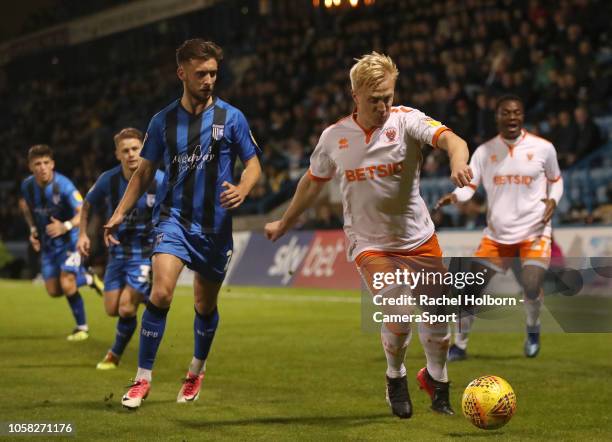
(287, 364)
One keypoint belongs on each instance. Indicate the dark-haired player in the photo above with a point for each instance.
(521, 176)
(127, 277)
(51, 205)
(197, 138)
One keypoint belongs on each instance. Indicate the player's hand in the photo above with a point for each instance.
(461, 174)
(55, 228)
(445, 200)
(34, 239)
(110, 228)
(275, 230)
(551, 205)
(232, 196)
(84, 245)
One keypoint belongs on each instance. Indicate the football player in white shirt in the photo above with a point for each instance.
(522, 179)
(377, 153)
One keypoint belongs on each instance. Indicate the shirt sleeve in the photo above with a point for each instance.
(243, 142)
(95, 195)
(551, 165)
(322, 167)
(421, 127)
(24, 192)
(71, 194)
(153, 146)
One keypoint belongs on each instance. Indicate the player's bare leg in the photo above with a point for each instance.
(166, 270)
(205, 294)
(53, 287)
(458, 350)
(68, 283)
(124, 304)
(532, 277)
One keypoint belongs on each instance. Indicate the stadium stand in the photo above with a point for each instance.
(287, 70)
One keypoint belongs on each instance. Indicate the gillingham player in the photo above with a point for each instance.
(127, 277)
(522, 179)
(51, 205)
(377, 153)
(197, 138)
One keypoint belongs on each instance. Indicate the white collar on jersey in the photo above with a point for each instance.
(514, 141)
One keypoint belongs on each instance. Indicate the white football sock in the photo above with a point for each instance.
(395, 346)
(435, 339)
(197, 366)
(462, 330)
(532, 309)
(143, 373)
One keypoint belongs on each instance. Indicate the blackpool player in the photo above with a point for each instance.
(127, 277)
(197, 138)
(522, 179)
(51, 205)
(377, 153)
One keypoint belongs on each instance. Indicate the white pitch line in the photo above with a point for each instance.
(286, 298)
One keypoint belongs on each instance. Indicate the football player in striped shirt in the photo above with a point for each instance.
(127, 276)
(197, 139)
(51, 205)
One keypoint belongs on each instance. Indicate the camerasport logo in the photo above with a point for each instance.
(326, 265)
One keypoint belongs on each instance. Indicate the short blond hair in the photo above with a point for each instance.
(371, 69)
(128, 132)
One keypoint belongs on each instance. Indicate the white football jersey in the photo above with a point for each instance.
(516, 179)
(379, 179)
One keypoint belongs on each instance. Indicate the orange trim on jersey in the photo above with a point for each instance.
(368, 133)
(555, 180)
(318, 179)
(440, 131)
(473, 186)
(430, 248)
(512, 146)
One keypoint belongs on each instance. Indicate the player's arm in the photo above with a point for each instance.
(465, 193)
(84, 243)
(233, 196)
(34, 240)
(139, 183)
(308, 190)
(552, 171)
(58, 228)
(458, 153)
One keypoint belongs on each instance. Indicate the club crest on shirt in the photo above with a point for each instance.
(529, 156)
(342, 143)
(56, 198)
(391, 133)
(150, 199)
(494, 158)
(217, 131)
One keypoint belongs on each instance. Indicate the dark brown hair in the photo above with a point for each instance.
(39, 150)
(128, 132)
(198, 48)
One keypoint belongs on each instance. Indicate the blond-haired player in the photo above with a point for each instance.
(376, 151)
(521, 176)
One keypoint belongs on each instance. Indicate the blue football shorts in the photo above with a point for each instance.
(60, 259)
(133, 272)
(208, 254)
